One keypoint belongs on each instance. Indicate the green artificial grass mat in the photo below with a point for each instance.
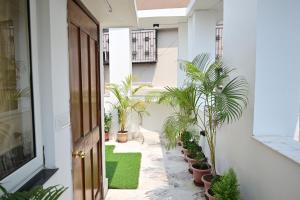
(122, 169)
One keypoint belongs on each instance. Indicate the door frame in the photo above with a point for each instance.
(94, 19)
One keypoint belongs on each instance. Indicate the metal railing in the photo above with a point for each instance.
(144, 46)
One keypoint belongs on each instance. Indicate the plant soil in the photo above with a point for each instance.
(208, 178)
(201, 166)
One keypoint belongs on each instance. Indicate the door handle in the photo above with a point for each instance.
(79, 154)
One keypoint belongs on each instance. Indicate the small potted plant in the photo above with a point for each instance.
(225, 187)
(107, 125)
(126, 103)
(208, 179)
(186, 139)
(193, 149)
(200, 168)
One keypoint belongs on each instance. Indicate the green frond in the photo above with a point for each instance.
(138, 88)
(37, 193)
(227, 188)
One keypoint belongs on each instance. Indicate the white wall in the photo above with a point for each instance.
(277, 68)
(263, 173)
(201, 33)
(54, 89)
(182, 50)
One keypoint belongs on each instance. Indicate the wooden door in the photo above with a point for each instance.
(85, 102)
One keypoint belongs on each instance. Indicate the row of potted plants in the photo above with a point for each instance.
(216, 187)
(210, 98)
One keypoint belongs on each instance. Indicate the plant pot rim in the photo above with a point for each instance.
(207, 193)
(207, 175)
(188, 157)
(122, 132)
(201, 170)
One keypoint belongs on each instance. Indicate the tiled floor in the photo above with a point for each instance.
(163, 176)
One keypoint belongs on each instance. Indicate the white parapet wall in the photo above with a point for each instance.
(263, 173)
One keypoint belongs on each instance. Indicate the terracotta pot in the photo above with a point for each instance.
(206, 179)
(179, 143)
(191, 161)
(184, 150)
(106, 136)
(209, 196)
(198, 174)
(185, 153)
(122, 137)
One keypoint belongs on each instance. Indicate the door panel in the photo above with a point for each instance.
(85, 103)
(75, 84)
(88, 176)
(85, 82)
(93, 82)
(77, 179)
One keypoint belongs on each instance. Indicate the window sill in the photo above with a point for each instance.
(39, 179)
(284, 145)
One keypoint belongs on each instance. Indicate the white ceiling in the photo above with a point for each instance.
(124, 13)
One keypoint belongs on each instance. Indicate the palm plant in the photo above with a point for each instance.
(222, 97)
(184, 103)
(126, 102)
(37, 193)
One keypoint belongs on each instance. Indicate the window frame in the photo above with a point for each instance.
(21, 175)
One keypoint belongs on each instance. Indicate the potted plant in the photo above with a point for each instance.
(225, 188)
(186, 137)
(126, 103)
(223, 98)
(208, 180)
(107, 125)
(37, 193)
(200, 168)
(193, 150)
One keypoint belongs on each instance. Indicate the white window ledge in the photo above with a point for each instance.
(284, 145)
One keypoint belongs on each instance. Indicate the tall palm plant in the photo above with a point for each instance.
(223, 97)
(184, 103)
(126, 101)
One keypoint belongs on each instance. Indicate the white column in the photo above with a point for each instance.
(182, 50)
(120, 64)
(202, 28)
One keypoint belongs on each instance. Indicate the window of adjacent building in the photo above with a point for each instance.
(17, 141)
(219, 41)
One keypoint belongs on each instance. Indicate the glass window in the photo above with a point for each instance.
(17, 145)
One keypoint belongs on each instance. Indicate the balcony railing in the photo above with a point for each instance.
(143, 44)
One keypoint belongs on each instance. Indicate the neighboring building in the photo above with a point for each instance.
(154, 55)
